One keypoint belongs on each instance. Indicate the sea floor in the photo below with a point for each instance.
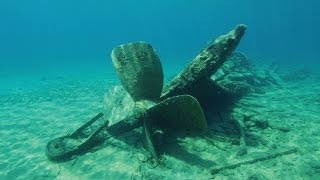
(35, 110)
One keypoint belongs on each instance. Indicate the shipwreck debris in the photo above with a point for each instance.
(195, 79)
(254, 159)
(180, 105)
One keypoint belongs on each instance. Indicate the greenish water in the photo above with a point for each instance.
(56, 73)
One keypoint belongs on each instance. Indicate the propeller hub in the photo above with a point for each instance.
(141, 107)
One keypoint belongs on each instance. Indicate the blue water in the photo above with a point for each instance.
(56, 74)
(39, 35)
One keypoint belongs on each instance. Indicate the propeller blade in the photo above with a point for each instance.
(179, 112)
(149, 141)
(139, 70)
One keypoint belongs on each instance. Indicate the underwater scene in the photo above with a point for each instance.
(150, 89)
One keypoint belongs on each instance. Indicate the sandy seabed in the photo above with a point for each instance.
(42, 108)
